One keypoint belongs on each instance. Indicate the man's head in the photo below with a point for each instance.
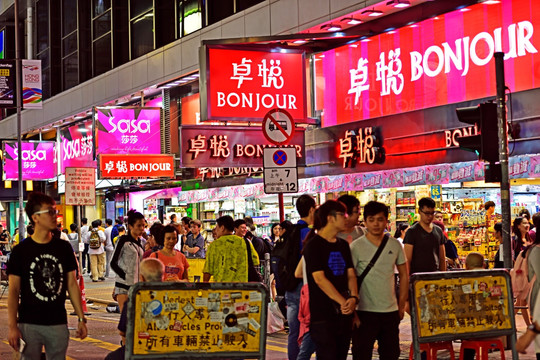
(438, 216)
(73, 227)
(108, 222)
(426, 208)
(305, 205)
(375, 217)
(498, 231)
(118, 221)
(151, 269)
(240, 227)
(173, 218)
(249, 223)
(185, 222)
(490, 207)
(121, 230)
(95, 224)
(353, 209)
(84, 221)
(332, 215)
(474, 261)
(195, 226)
(225, 226)
(41, 210)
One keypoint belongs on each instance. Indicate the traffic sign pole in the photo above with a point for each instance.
(281, 208)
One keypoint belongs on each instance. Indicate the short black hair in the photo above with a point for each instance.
(226, 221)
(350, 202)
(121, 228)
(536, 220)
(426, 202)
(489, 204)
(118, 221)
(95, 224)
(239, 222)
(373, 208)
(35, 200)
(84, 221)
(108, 221)
(73, 227)
(186, 220)
(304, 204)
(498, 227)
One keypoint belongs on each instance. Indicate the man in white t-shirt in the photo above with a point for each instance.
(378, 309)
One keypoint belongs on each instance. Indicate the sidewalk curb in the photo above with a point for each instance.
(102, 301)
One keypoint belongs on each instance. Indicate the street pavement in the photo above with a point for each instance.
(103, 336)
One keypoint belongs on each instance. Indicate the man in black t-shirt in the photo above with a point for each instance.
(424, 242)
(41, 269)
(331, 277)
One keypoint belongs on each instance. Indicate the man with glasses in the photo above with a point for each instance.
(424, 242)
(41, 269)
(352, 230)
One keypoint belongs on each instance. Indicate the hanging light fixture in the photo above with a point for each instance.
(331, 27)
(372, 12)
(399, 3)
(351, 20)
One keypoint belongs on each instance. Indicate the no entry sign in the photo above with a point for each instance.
(278, 126)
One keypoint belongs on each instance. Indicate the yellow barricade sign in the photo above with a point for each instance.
(216, 320)
(461, 305)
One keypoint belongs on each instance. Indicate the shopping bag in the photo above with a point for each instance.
(276, 320)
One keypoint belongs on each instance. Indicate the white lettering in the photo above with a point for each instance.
(130, 126)
(455, 57)
(491, 47)
(257, 100)
(524, 35)
(440, 61)
(416, 68)
(220, 99)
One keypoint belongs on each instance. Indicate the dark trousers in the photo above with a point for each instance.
(86, 258)
(332, 337)
(383, 327)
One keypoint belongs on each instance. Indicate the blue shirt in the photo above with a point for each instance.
(303, 232)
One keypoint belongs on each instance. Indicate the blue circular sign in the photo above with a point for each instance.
(280, 157)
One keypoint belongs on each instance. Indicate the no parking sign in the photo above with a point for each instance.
(280, 172)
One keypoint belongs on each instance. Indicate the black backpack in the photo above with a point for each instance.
(285, 257)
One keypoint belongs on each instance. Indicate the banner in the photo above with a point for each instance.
(127, 130)
(136, 166)
(76, 146)
(414, 176)
(32, 93)
(437, 174)
(39, 160)
(392, 178)
(518, 167)
(244, 84)
(460, 172)
(373, 180)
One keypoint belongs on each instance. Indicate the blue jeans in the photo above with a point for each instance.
(293, 304)
(307, 348)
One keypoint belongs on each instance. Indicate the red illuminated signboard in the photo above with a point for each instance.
(443, 60)
(135, 166)
(246, 84)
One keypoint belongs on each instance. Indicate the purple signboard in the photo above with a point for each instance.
(128, 130)
(76, 146)
(39, 160)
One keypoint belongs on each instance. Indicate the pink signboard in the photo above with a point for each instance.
(128, 130)
(39, 160)
(77, 147)
(443, 60)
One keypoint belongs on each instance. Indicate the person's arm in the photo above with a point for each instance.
(442, 258)
(408, 248)
(328, 288)
(298, 273)
(352, 301)
(191, 250)
(116, 255)
(526, 339)
(76, 301)
(404, 288)
(13, 307)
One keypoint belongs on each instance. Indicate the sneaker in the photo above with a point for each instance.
(94, 280)
(84, 271)
(102, 278)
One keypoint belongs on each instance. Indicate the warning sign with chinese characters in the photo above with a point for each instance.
(463, 302)
(224, 319)
(80, 186)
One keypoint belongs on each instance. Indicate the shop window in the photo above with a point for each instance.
(102, 56)
(219, 9)
(100, 6)
(139, 7)
(45, 70)
(69, 16)
(244, 4)
(190, 16)
(142, 34)
(42, 25)
(70, 71)
(102, 25)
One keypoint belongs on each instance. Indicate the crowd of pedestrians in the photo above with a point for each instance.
(339, 282)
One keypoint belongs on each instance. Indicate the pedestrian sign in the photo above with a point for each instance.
(202, 320)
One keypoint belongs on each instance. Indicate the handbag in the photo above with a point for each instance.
(374, 259)
(276, 320)
(253, 274)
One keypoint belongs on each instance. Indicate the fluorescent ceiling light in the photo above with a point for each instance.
(491, 2)
(351, 21)
(399, 3)
(372, 12)
(331, 27)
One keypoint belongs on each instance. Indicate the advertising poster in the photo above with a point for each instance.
(80, 186)
(534, 171)
(414, 176)
(7, 84)
(126, 130)
(437, 174)
(32, 92)
(39, 160)
(518, 167)
(392, 178)
(136, 166)
(463, 171)
(373, 180)
(76, 146)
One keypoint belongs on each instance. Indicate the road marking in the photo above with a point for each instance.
(101, 344)
(276, 348)
(67, 357)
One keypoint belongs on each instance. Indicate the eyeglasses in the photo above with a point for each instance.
(342, 214)
(428, 213)
(51, 212)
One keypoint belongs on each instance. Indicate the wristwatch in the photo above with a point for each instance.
(356, 299)
(533, 328)
(82, 319)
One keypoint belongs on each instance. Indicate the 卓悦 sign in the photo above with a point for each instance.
(136, 166)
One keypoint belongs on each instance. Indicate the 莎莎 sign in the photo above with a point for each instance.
(244, 84)
(76, 146)
(439, 61)
(38, 160)
(127, 130)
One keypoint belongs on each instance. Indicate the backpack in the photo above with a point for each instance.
(285, 257)
(95, 241)
(521, 286)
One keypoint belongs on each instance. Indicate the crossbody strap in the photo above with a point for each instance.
(373, 261)
(250, 260)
